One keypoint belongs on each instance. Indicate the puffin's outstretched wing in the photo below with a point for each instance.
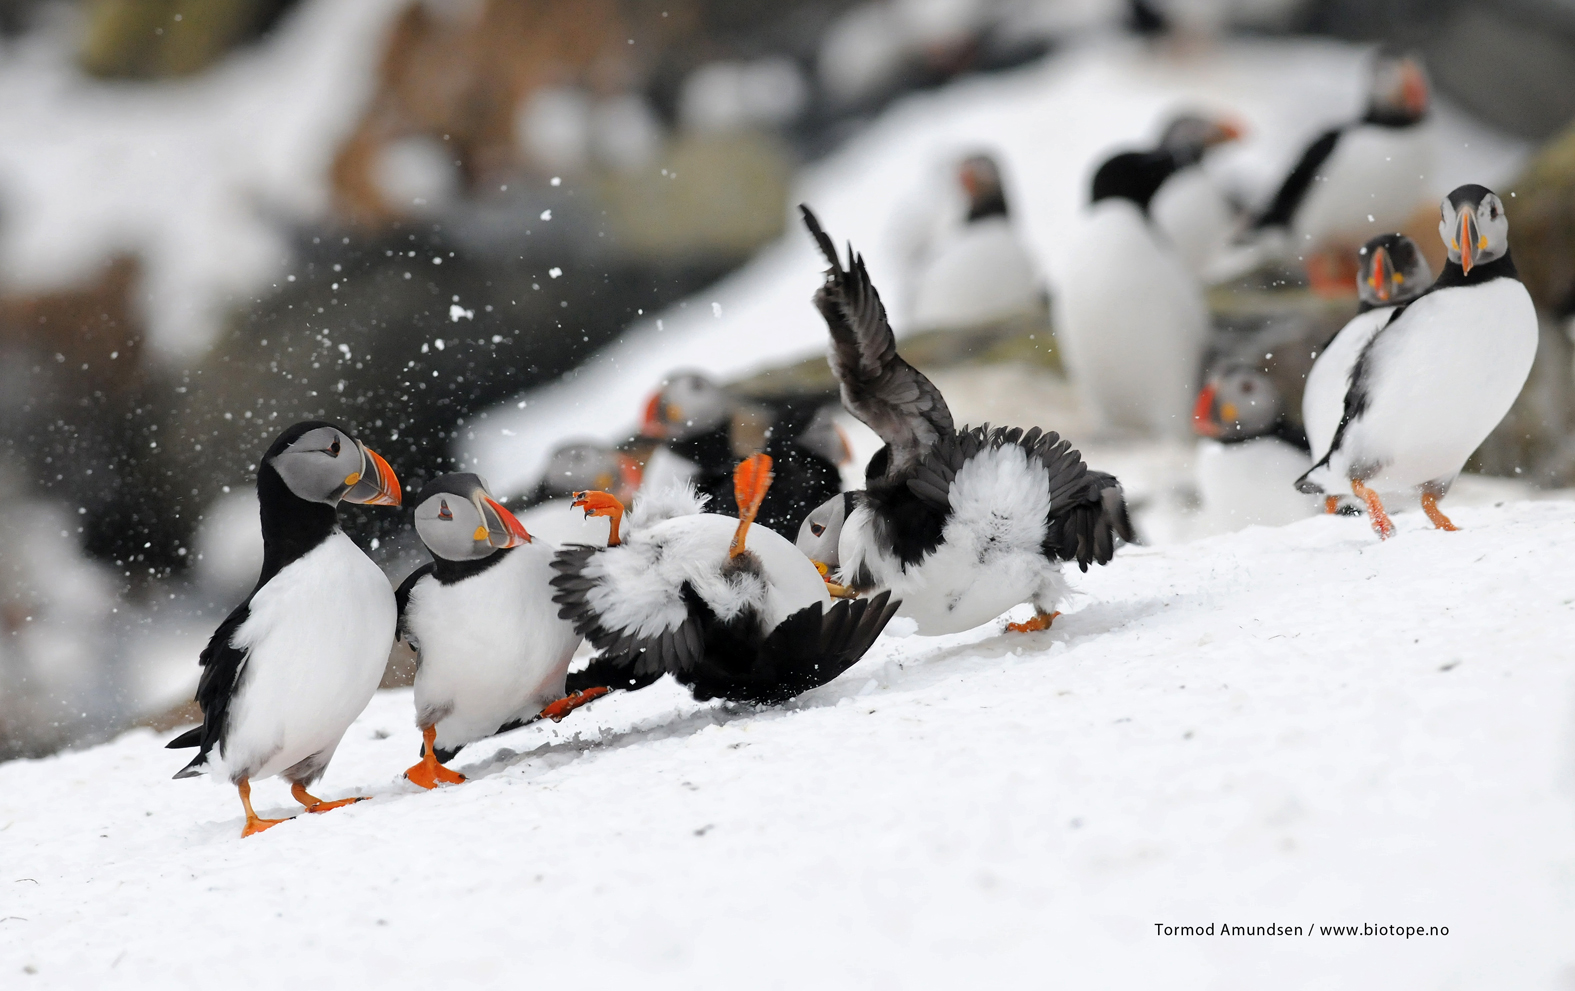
(221, 671)
(889, 395)
(806, 650)
(629, 658)
(1085, 529)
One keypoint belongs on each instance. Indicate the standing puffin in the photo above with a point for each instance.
(683, 594)
(290, 668)
(1356, 179)
(976, 273)
(1441, 373)
(491, 650)
(698, 422)
(1188, 207)
(1249, 452)
(1392, 272)
(962, 525)
(1130, 315)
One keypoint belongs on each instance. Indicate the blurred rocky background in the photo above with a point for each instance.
(221, 216)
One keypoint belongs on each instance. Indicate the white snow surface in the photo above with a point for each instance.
(1300, 726)
(1049, 126)
(202, 178)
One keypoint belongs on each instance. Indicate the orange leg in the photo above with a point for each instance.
(557, 710)
(1040, 621)
(1333, 274)
(1375, 510)
(1331, 504)
(602, 504)
(254, 824)
(751, 480)
(427, 772)
(315, 804)
(1430, 507)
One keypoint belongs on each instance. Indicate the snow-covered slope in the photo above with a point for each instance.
(1049, 126)
(1299, 726)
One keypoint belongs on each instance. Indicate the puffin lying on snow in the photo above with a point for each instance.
(491, 650)
(684, 595)
(291, 668)
(1357, 179)
(1436, 379)
(1392, 272)
(962, 525)
(694, 419)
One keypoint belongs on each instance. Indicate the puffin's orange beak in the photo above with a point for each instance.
(1413, 88)
(508, 531)
(651, 424)
(1379, 280)
(1203, 414)
(1229, 130)
(375, 484)
(1466, 241)
(630, 474)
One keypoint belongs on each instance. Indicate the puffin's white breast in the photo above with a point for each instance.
(978, 275)
(492, 646)
(318, 637)
(1192, 213)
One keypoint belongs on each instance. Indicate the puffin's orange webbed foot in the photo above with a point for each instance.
(562, 707)
(602, 504)
(427, 772)
(1040, 621)
(254, 823)
(751, 481)
(1375, 510)
(1430, 507)
(315, 804)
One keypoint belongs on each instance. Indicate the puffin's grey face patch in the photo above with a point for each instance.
(581, 466)
(447, 524)
(1246, 402)
(691, 404)
(821, 530)
(316, 465)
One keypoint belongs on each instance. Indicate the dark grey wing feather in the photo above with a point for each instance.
(222, 665)
(626, 660)
(889, 395)
(402, 596)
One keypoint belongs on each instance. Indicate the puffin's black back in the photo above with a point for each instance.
(1133, 175)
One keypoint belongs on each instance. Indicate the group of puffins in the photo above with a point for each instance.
(953, 527)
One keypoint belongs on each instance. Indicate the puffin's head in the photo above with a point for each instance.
(686, 405)
(1237, 403)
(321, 462)
(1473, 226)
(583, 465)
(1398, 91)
(458, 519)
(825, 438)
(821, 530)
(980, 178)
(1188, 136)
(1392, 270)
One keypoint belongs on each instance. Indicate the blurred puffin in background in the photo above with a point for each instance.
(291, 668)
(1435, 380)
(978, 272)
(577, 466)
(730, 610)
(967, 523)
(491, 651)
(1130, 315)
(705, 429)
(1355, 180)
(1250, 453)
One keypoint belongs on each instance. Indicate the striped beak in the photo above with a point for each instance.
(501, 528)
(375, 484)
(1467, 240)
(1379, 281)
(1203, 422)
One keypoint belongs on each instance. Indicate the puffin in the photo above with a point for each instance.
(1354, 180)
(1131, 319)
(1249, 450)
(731, 610)
(703, 427)
(978, 273)
(1435, 380)
(491, 652)
(291, 667)
(1391, 272)
(1188, 207)
(961, 525)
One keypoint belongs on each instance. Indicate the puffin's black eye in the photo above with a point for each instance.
(817, 528)
(443, 511)
(1247, 386)
(333, 449)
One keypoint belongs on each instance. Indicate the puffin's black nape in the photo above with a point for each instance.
(1470, 194)
(458, 483)
(295, 432)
